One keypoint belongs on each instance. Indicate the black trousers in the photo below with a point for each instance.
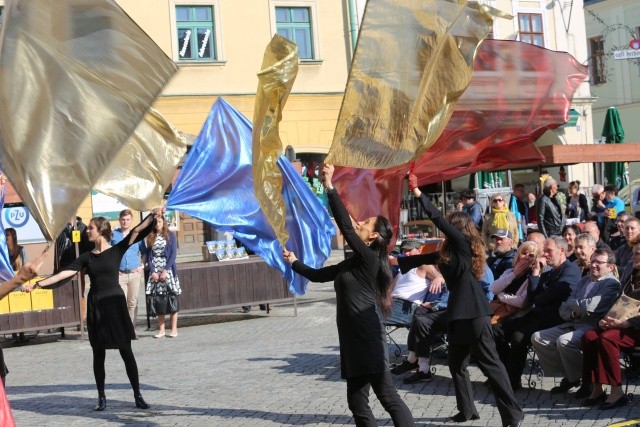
(484, 350)
(358, 399)
(513, 338)
(425, 323)
(130, 365)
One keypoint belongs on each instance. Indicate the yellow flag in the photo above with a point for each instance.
(143, 169)
(414, 59)
(76, 79)
(279, 70)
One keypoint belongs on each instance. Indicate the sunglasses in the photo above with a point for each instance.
(497, 200)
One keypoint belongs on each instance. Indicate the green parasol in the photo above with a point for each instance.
(487, 180)
(616, 173)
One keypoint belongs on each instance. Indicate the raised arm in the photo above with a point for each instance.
(143, 229)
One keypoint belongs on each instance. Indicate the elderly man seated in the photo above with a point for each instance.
(411, 288)
(501, 257)
(558, 348)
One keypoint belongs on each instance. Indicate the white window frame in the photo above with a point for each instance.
(315, 29)
(217, 29)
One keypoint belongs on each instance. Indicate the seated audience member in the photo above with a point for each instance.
(613, 205)
(591, 227)
(570, 232)
(429, 321)
(411, 288)
(598, 208)
(558, 348)
(617, 239)
(585, 247)
(472, 207)
(499, 218)
(601, 347)
(501, 257)
(547, 291)
(624, 253)
(511, 287)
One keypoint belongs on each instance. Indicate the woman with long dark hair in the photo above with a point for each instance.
(108, 321)
(363, 295)
(461, 261)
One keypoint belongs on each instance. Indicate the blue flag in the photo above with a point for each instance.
(6, 271)
(215, 185)
(514, 208)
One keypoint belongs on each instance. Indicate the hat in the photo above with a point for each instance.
(407, 245)
(502, 233)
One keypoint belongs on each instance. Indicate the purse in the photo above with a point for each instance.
(624, 308)
(501, 311)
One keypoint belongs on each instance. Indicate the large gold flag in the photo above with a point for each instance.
(413, 60)
(279, 70)
(145, 166)
(76, 79)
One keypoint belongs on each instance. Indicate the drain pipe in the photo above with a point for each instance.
(353, 24)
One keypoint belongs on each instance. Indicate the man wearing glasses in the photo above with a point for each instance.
(558, 348)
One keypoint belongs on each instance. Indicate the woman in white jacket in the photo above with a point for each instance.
(511, 287)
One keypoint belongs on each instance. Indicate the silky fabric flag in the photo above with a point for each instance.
(275, 80)
(495, 125)
(513, 207)
(412, 62)
(615, 173)
(76, 79)
(6, 417)
(145, 166)
(6, 271)
(215, 184)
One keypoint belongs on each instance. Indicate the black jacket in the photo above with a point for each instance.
(549, 216)
(551, 289)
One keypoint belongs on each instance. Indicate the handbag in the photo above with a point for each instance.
(624, 308)
(501, 311)
(165, 303)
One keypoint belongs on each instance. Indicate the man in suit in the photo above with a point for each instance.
(547, 291)
(558, 348)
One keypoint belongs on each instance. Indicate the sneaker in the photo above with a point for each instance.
(405, 366)
(565, 386)
(418, 376)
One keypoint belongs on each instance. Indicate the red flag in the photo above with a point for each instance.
(6, 417)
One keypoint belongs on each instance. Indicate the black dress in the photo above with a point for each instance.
(108, 321)
(363, 348)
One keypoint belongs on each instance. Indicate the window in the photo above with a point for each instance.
(530, 25)
(597, 65)
(195, 31)
(294, 23)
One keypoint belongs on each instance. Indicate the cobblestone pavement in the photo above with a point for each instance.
(231, 369)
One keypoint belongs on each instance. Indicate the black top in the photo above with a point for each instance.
(363, 347)
(551, 288)
(466, 297)
(108, 321)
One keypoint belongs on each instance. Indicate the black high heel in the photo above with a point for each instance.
(140, 403)
(102, 404)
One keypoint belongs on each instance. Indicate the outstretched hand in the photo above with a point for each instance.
(289, 256)
(159, 211)
(327, 172)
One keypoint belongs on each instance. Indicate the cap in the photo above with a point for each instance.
(502, 233)
(407, 245)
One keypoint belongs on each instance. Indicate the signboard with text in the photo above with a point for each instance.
(27, 229)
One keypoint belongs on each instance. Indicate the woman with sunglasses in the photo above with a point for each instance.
(499, 218)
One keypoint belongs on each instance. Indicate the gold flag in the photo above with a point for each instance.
(279, 70)
(143, 169)
(414, 59)
(76, 79)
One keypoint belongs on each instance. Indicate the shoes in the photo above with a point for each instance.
(417, 377)
(583, 391)
(140, 403)
(460, 418)
(159, 335)
(596, 400)
(102, 404)
(565, 386)
(405, 366)
(173, 335)
(621, 401)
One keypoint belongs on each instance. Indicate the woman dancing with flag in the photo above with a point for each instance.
(363, 292)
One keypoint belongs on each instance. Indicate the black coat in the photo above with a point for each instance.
(551, 289)
(549, 216)
(363, 346)
(467, 299)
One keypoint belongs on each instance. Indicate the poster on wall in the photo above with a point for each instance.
(106, 206)
(27, 229)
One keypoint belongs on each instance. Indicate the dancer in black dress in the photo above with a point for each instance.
(461, 262)
(363, 291)
(108, 321)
